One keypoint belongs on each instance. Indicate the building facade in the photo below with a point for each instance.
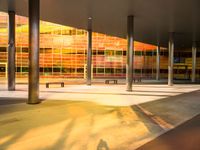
(63, 52)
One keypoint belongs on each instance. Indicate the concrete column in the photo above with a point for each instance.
(34, 22)
(158, 63)
(11, 51)
(171, 59)
(194, 61)
(129, 65)
(89, 52)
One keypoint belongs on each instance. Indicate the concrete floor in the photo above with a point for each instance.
(79, 117)
(184, 137)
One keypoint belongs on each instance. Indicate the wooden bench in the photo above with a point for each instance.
(61, 83)
(110, 80)
(137, 78)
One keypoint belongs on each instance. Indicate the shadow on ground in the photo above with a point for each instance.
(174, 109)
(8, 101)
(184, 137)
(78, 125)
(70, 125)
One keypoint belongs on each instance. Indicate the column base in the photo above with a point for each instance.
(13, 89)
(88, 83)
(170, 84)
(33, 103)
(129, 90)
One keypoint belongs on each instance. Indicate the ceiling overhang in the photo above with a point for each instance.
(154, 19)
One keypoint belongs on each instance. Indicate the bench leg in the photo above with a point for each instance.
(62, 84)
(47, 85)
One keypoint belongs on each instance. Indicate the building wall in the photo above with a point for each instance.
(63, 52)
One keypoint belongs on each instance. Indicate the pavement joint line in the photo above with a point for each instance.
(159, 121)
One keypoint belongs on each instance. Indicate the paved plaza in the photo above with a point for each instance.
(178, 138)
(80, 117)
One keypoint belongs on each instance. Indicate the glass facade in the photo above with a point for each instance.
(63, 52)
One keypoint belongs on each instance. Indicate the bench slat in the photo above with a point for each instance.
(108, 81)
(61, 83)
